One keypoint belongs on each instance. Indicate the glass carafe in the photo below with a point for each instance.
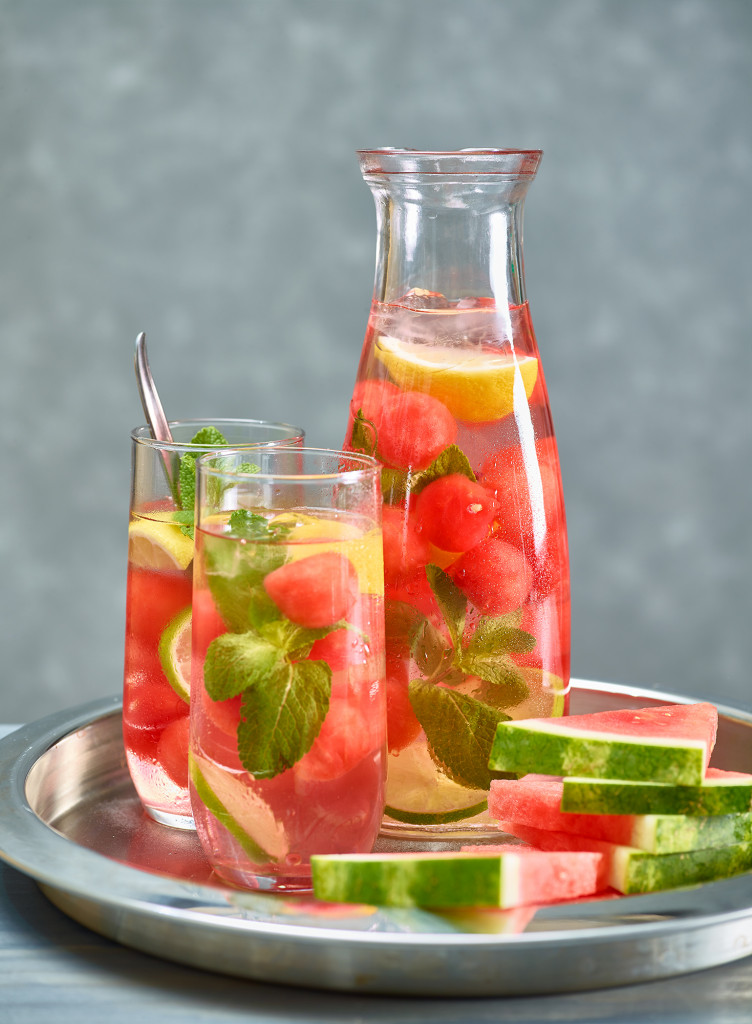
(450, 397)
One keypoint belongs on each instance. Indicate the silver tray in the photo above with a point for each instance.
(70, 819)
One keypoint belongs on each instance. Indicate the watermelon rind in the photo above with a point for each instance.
(475, 877)
(535, 746)
(617, 796)
(415, 880)
(679, 833)
(632, 871)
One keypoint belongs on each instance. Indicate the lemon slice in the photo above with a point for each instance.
(158, 544)
(312, 535)
(475, 385)
(175, 653)
(418, 794)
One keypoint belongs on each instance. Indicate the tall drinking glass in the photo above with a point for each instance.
(288, 707)
(158, 602)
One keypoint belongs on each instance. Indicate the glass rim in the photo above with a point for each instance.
(490, 162)
(368, 464)
(143, 435)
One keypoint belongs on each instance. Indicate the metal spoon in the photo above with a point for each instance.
(149, 398)
(155, 415)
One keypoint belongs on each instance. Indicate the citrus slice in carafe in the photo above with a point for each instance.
(418, 794)
(476, 385)
(546, 695)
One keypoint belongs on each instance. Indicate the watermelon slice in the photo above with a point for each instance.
(633, 871)
(447, 879)
(670, 744)
(721, 792)
(536, 800)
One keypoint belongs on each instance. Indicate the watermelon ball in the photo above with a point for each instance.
(494, 575)
(455, 513)
(316, 591)
(405, 547)
(413, 588)
(342, 649)
(346, 736)
(505, 476)
(172, 752)
(402, 727)
(414, 428)
(369, 396)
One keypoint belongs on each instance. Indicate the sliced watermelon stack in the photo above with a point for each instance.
(628, 803)
(634, 786)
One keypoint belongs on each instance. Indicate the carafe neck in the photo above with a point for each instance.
(450, 224)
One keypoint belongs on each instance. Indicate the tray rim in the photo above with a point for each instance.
(24, 834)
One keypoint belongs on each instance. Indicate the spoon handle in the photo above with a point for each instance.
(148, 392)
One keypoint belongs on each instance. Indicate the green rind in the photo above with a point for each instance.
(166, 640)
(409, 881)
(679, 833)
(521, 749)
(616, 796)
(634, 871)
(211, 801)
(437, 818)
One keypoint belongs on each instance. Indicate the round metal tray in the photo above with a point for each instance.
(70, 819)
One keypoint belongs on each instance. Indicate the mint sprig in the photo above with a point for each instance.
(468, 676)
(284, 698)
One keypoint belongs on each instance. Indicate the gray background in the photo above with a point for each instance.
(187, 168)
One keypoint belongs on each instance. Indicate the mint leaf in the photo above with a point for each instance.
(236, 661)
(209, 437)
(460, 731)
(186, 496)
(451, 601)
(280, 719)
(235, 574)
(503, 684)
(294, 640)
(364, 435)
(394, 483)
(253, 526)
(497, 634)
(451, 460)
(185, 521)
(429, 649)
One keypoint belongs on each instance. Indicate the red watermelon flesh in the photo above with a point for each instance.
(698, 722)
(535, 800)
(548, 877)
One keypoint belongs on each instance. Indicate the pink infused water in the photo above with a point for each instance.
(287, 694)
(450, 398)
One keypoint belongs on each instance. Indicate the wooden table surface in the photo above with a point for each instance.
(57, 972)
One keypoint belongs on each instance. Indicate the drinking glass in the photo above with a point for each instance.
(288, 706)
(158, 602)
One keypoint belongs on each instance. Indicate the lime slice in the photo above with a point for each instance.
(417, 793)
(240, 810)
(158, 544)
(476, 385)
(175, 653)
(546, 698)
